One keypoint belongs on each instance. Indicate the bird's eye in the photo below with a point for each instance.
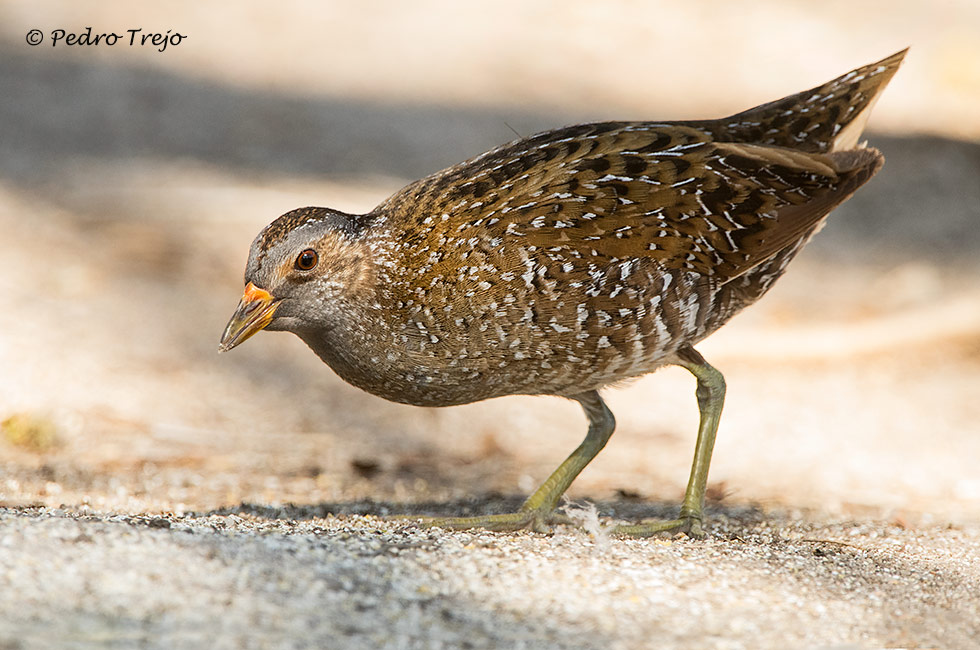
(307, 260)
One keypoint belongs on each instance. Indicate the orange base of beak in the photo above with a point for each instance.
(255, 312)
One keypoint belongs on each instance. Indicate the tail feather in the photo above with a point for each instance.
(829, 117)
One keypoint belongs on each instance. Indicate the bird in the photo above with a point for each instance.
(566, 262)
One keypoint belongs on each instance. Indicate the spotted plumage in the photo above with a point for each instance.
(563, 262)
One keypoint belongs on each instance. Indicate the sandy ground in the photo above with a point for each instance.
(154, 494)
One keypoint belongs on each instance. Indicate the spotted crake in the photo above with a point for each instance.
(566, 261)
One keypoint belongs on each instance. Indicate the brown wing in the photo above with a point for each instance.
(619, 191)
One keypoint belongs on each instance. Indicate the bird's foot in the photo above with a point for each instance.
(539, 521)
(691, 525)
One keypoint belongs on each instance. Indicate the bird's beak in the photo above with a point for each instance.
(254, 312)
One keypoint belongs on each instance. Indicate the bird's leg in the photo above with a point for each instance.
(538, 512)
(711, 399)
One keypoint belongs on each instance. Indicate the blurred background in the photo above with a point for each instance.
(132, 182)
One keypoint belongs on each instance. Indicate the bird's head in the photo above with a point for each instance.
(300, 268)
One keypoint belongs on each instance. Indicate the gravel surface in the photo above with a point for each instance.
(155, 495)
(292, 580)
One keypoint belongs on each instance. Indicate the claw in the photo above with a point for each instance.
(690, 526)
(533, 520)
